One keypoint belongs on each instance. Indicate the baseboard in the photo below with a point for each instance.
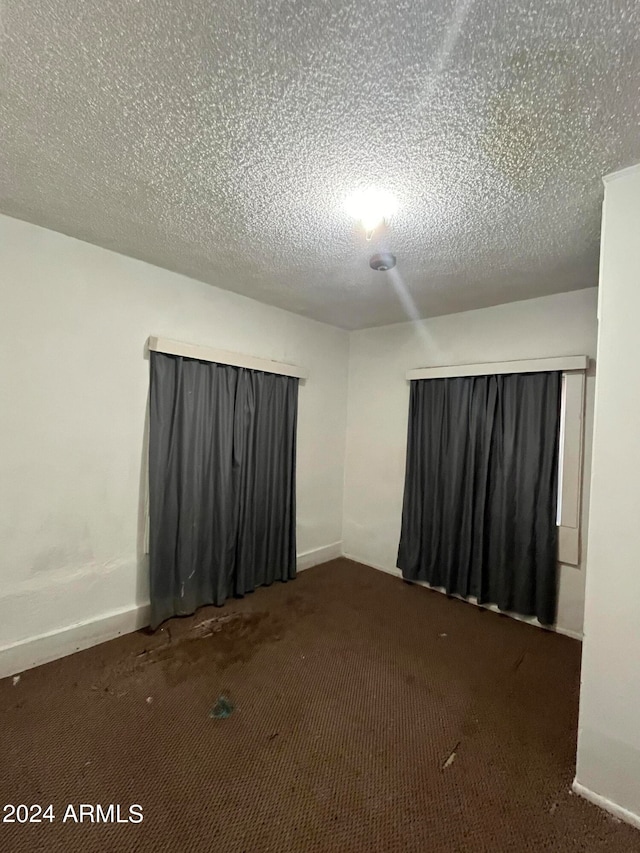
(528, 620)
(319, 555)
(613, 808)
(44, 648)
(567, 632)
(395, 572)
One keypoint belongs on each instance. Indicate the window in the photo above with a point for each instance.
(570, 459)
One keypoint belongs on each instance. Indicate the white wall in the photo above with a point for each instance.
(609, 728)
(73, 325)
(564, 324)
(74, 379)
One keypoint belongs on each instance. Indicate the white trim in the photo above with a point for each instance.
(44, 648)
(528, 620)
(222, 356)
(603, 803)
(621, 173)
(571, 461)
(566, 632)
(531, 365)
(568, 545)
(396, 573)
(318, 555)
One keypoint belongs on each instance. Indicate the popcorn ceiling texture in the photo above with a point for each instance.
(219, 140)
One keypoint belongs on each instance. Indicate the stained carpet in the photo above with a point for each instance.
(360, 714)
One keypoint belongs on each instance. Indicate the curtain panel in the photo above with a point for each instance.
(222, 502)
(479, 511)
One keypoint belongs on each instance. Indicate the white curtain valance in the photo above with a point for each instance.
(203, 353)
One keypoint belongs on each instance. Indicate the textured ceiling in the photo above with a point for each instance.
(219, 139)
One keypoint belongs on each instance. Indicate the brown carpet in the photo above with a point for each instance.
(371, 715)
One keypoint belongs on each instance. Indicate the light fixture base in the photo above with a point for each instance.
(382, 262)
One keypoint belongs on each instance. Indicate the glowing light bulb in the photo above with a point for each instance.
(371, 206)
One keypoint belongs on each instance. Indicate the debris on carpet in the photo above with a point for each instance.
(222, 709)
(451, 758)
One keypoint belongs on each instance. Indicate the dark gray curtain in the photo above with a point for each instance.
(222, 445)
(479, 514)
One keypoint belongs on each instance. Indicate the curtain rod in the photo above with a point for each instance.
(220, 356)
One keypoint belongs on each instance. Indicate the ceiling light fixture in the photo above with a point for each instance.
(382, 263)
(371, 206)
